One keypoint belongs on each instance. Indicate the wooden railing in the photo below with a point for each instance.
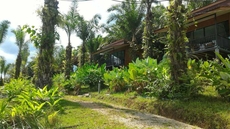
(210, 42)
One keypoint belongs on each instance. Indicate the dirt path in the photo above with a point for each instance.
(134, 119)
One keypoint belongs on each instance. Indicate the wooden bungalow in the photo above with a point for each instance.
(208, 30)
(116, 54)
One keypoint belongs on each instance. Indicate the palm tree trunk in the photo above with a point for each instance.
(18, 66)
(46, 48)
(68, 68)
(176, 40)
(83, 54)
(148, 32)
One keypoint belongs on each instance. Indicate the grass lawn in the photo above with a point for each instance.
(76, 116)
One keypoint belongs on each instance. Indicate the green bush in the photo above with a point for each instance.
(223, 82)
(115, 79)
(159, 85)
(26, 106)
(89, 75)
(147, 76)
(197, 77)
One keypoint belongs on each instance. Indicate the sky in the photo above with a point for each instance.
(21, 12)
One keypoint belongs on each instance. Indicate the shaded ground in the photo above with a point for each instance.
(134, 119)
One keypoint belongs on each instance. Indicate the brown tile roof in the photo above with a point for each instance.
(213, 8)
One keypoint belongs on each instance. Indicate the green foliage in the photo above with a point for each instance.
(223, 82)
(26, 106)
(115, 79)
(177, 24)
(60, 82)
(141, 73)
(149, 76)
(89, 75)
(16, 87)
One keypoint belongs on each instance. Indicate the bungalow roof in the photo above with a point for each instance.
(207, 12)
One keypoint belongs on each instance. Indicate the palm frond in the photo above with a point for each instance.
(4, 25)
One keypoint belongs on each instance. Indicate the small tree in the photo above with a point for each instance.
(69, 24)
(22, 45)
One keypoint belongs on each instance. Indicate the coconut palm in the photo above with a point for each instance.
(176, 42)
(59, 59)
(195, 4)
(22, 45)
(85, 31)
(125, 21)
(93, 44)
(3, 69)
(69, 24)
(4, 25)
(46, 46)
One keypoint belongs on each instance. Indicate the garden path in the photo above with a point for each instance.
(132, 118)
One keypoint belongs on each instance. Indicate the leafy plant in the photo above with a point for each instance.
(223, 84)
(115, 79)
(89, 75)
(27, 105)
(147, 76)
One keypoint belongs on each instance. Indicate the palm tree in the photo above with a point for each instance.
(195, 4)
(3, 69)
(176, 42)
(4, 25)
(127, 18)
(93, 44)
(69, 24)
(24, 54)
(46, 47)
(59, 59)
(85, 31)
(148, 32)
(21, 43)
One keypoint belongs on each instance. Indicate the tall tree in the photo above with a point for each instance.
(59, 59)
(148, 31)
(44, 73)
(93, 44)
(22, 44)
(3, 70)
(195, 4)
(69, 24)
(4, 25)
(85, 31)
(24, 54)
(125, 21)
(176, 23)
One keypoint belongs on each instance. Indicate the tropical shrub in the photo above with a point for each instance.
(161, 81)
(148, 76)
(115, 79)
(198, 75)
(60, 82)
(89, 75)
(29, 107)
(223, 82)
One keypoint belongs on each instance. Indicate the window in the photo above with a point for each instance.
(223, 29)
(198, 34)
(117, 58)
(210, 31)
